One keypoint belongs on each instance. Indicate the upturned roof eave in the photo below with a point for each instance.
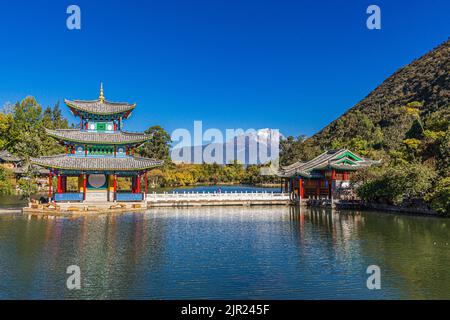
(325, 161)
(39, 162)
(72, 104)
(56, 135)
(295, 174)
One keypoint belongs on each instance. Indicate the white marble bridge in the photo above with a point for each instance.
(215, 199)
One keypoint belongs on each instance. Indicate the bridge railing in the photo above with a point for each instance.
(216, 196)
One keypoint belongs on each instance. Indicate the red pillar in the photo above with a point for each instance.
(115, 126)
(300, 188)
(81, 122)
(86, 126)
(84, 186)
(58, 185)
(146, 182)
(85, 150)
(115, 183)
(50, 187)
(138, 184)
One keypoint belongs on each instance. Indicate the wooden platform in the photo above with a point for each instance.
(83, 208)
(337, 204)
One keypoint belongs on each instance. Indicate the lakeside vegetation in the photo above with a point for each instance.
(414, 171)
(416, 168)
(405, 123)
(22, 132)
(200, 174)
(177, 175)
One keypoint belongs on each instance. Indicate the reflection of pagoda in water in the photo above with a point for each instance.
(97, 153)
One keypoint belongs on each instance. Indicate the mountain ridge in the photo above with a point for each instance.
(380, 121)
(426, 79)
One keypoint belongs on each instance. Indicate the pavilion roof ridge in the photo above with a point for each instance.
(96, 163)
(320, 158)
(327, 159)
(48, 157)
(145, 158)
(8, 156)
(105, 101)
(111, 138)
(100, 107)
(293, 165)
(61, 130)
(80, 130)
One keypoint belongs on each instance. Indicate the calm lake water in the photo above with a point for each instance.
(272, 252)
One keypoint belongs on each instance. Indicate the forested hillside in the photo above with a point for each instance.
(404, 122)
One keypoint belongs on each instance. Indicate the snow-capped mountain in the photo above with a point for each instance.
(250, 147)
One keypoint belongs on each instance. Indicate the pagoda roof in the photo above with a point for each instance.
(34, 168)
(8, 157)
(100, 107)
(80, 163)
(112, 138)
(342, 159)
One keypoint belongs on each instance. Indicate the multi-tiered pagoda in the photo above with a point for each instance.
(98, 153)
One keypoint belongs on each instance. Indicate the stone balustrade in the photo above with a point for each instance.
(216, 196)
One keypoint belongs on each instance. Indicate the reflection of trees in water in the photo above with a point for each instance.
(109, 250)
(118, 254)
(328, 236)
(114, 250)
(414, 251)
(20, 239)
(339, 227)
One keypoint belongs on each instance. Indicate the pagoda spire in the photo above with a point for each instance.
(102, 97)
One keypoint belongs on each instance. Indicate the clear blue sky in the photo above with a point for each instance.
(291, 65)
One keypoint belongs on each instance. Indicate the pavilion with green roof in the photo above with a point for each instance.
(98, 153)
(326, 176)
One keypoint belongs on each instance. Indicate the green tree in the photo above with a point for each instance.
(439, 197)
(395, 184)
(27, 184)
(252, 175)
(6, 177)
(6, 121)
(158, 146)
